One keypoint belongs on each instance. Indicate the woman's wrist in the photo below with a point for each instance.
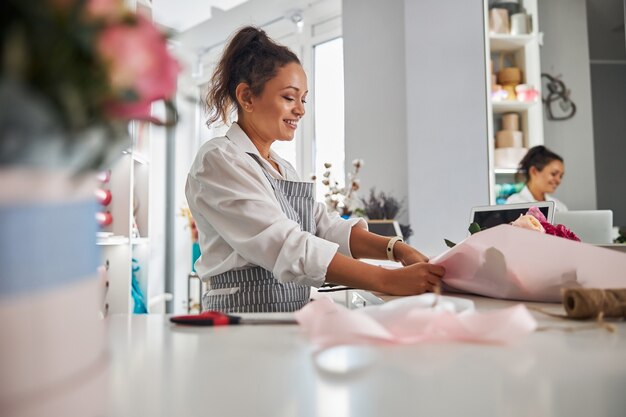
(408, 255)
(384, 280)
(400, 250)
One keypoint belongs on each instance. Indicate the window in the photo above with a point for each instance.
(329, 144)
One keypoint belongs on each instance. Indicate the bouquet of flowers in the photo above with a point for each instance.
(73, 73)
(535, 220)
(530, 260)
(532, 220)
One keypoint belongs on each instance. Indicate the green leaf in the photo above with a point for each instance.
(474, 228)
(449, 243)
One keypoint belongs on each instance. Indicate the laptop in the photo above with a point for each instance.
(490, 216)
(591, 226)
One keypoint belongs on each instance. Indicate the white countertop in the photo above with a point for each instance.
(158, 369)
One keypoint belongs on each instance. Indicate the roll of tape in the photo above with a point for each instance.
(509, 139)
(510, 121)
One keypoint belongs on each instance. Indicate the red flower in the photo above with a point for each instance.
(560, 231)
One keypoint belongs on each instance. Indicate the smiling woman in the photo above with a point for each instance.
(544, 171)
(274, 114)
(264, 239)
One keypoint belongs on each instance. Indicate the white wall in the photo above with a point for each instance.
(416, 108)
(566, 52)
(447, 118)
(375, 95)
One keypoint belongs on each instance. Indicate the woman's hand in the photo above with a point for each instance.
(414, 279)
(408, 255)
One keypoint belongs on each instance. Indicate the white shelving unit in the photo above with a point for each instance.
(522, 51)
(130, 235)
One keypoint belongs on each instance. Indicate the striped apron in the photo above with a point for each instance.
(255, 289)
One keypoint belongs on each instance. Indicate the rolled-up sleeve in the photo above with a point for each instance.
(332, 227)
(228, 194)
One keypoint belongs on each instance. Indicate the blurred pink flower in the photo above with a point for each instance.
(537, 214)
(528, 222)
(141, 70)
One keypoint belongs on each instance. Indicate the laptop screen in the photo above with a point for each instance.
(490, 216)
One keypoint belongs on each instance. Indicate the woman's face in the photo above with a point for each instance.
(549, 178)
(275, 113)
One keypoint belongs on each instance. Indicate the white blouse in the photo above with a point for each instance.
(241, 224)
(525, 196)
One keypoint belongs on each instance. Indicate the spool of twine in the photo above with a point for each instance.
(586, 303)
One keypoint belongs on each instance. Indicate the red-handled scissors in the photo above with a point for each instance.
(217, 318)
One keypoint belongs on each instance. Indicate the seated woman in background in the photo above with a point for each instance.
(544, 171)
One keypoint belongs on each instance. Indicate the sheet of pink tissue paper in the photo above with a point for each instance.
(412, 320)
(519, 264)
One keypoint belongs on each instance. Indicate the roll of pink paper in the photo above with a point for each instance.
(518, 264)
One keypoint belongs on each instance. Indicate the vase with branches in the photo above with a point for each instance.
(380, 206)
(344, 200)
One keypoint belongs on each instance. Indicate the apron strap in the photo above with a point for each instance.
(271, 179)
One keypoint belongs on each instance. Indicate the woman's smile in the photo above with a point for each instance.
(292, 123)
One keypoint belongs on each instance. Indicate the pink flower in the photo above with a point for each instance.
(528, 222)
(537, 214)
(141, 70)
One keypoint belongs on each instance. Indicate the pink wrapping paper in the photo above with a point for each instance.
(514, 263)
(328, 324)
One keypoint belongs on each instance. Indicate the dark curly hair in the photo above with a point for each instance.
(538, 157)
(250, 57)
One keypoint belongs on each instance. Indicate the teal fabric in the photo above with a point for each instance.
(195, 255)
(139, 300)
